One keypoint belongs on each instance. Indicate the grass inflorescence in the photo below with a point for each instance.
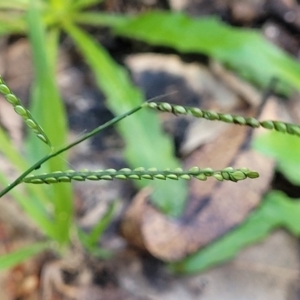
(227, 118)
(23, 112)
(229, 174)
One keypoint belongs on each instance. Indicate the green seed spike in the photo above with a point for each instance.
(23, 112)
(228, 118)
(201, 174)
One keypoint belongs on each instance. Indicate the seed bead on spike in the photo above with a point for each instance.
(211, 115)
(218, 176)
(279, 126)
(201, 177)
(64, 179)
(208, 171)
(194, 170)
(78, 178)
(172, 176)
(152, 105)
(196, 112)
(185, 176)
(293, 129)
(37, 180)
(133, 176)
(166, 106)
(252, 122)
(147, 176)
(267, 124)
(92, 177)
(120, 176)
(239, 120)
(51, 180)
(106, 177)
(4, 90)
(226, 118)
(238, 175)
(177, 109)
(160, 176)
(125, 170)
(12, 99)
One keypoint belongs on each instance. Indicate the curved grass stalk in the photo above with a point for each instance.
(227, 118)
(23, 112)
(229, 174)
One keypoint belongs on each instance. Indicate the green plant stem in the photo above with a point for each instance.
(83, 138)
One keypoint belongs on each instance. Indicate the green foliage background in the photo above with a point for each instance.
(244, 51)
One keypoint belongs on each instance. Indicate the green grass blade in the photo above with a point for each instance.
(277, 210)
(246, 51)
(144, 146)
(48, 108)
(90, 240)
(12, 259)
(82, 4)
(285, 149)
(100, 19)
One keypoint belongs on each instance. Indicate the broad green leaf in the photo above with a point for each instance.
(146, 145)
(277, 210)
(285, 149)
(12, 259)
(48, 109)
(244, 50)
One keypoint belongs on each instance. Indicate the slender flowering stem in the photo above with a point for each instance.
(227, 118)
(65, 148)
